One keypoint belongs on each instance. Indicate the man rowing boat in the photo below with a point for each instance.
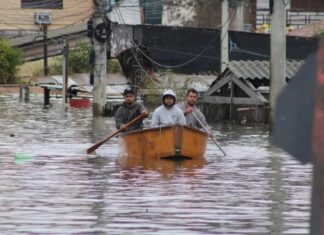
(129, 110)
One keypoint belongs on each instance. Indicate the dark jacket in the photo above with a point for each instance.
(125, 114)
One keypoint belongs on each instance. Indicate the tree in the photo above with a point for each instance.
(10, 59)
(79, 59)
(78, 62)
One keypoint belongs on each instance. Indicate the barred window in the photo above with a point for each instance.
(42, 4)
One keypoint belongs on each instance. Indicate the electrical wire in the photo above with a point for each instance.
(285, 2)
(76, 7)
(138, 48)
(187, 62)
(141, 67)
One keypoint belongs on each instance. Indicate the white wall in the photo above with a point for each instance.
(127, 12)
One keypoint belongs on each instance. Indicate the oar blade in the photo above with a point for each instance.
(94, 147)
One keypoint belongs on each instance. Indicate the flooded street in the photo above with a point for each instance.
(49, 185)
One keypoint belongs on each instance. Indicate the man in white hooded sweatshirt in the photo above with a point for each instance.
(168, 113)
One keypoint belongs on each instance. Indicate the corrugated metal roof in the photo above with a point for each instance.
(81, 79)
(259, 69)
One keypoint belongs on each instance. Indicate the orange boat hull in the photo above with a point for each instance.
(164, 142)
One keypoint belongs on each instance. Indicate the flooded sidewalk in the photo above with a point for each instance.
(49, 185)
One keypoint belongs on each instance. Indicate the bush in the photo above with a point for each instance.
(320, 34)
(79, 60)
(113, 66)
(10, 59)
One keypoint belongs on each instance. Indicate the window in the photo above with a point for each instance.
(42, 4)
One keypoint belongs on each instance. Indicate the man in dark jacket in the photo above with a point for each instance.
(129, 110)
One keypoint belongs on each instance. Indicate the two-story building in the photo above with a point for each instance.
(21, 17)
(299, 12)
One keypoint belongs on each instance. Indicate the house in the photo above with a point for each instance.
(241, 92)
(298, 13)
(22, 17)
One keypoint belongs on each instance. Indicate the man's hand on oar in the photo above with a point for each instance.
(97, 145)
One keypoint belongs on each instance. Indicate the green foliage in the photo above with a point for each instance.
(113, 66)
(10, 59)
(78, 62)
(79, 59)
(171, 83)
(55, 65)
(168, 80)
(320, 34)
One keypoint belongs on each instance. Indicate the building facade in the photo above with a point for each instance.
(299, 12)
(20, 17)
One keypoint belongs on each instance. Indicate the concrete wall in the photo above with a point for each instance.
(14, 18)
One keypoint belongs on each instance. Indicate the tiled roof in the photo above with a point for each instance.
(259, 69)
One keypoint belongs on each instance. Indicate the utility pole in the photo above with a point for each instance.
(101, 32)
(45, 49)
(238, 24)
(224, 35)
(278, 53)
(65, 72)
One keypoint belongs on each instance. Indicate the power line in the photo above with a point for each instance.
(140, 65)
(231, 17)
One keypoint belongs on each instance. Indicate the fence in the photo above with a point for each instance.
(297, 19)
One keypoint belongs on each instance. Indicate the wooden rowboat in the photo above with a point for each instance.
(164, 142)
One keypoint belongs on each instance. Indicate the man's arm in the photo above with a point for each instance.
(185, 110)
(144, 110)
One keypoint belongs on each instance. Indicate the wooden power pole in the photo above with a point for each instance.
(224, 35)
(278, 54)
(44, 26)
(100, 62)
(65, 67)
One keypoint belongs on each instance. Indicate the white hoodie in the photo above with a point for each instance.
(163, 116)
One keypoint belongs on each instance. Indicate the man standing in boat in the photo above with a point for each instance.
(129, 110)
(191, 111)
(168, 113)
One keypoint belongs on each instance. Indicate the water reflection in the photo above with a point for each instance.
(49, 185)
(166, 167)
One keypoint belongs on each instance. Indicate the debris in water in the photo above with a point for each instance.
(21, 158)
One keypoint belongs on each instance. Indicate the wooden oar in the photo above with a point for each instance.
(208, 132)
(97, 145)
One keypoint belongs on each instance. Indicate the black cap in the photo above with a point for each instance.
(128, 90)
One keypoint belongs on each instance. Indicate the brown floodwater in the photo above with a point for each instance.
(49, 185)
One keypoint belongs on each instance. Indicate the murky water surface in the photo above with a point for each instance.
(49, 185)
